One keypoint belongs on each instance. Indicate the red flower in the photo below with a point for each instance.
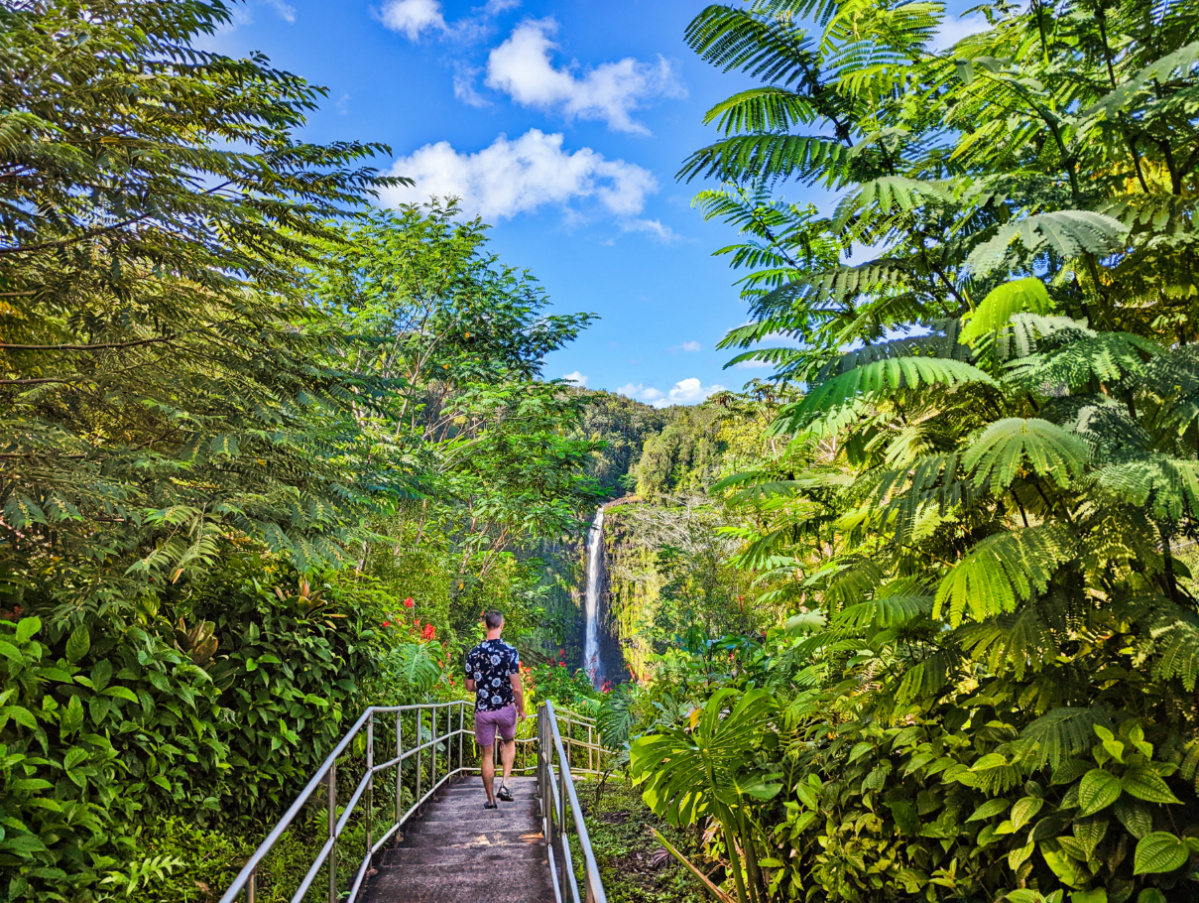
(387, 623)
(408, 603)
(561, 664)
(428, 632)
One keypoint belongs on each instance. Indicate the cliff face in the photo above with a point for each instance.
(667, 564)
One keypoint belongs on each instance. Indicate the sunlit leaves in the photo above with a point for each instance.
(1007, 446)
(1002, 570)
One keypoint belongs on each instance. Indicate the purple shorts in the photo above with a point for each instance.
(487, 723)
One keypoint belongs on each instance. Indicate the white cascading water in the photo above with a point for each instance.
(595, 567)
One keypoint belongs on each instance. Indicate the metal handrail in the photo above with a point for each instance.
(560, 811)
(548, 737)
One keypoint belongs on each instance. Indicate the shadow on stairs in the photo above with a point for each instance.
(459, 852)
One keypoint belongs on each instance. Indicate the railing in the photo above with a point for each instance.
(418, 726)
(560, 811)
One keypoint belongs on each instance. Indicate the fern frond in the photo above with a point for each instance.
(1178, 655)
(887, 611)
(1180, 62)
(768, 109)
(768, 158)
(1061, 733)
(1006, 446)
(1079, 361)
(891, 194)
(1011, 642)
(1169, 486)
(1066, 233)
(1002, 570)
(1001, 304)
(880, 377)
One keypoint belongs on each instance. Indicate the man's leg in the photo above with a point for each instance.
(489, 772)
(508, 756)
(507, 731)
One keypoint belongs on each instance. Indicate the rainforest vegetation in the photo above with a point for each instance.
(911, 619)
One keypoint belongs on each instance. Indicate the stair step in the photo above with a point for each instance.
(455, 851)
(439, 857)
(477, 882)
(497, 836)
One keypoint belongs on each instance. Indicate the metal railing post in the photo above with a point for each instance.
(434, 738)
(252, 887)
(399, 766)
(419, 744)
(461, 733)
(333, 895)
(370, 780)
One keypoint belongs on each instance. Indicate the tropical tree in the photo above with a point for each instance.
(161, 394)
(990, 482)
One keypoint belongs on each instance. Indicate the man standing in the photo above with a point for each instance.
(493, 675)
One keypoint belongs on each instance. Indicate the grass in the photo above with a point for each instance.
(634, 866)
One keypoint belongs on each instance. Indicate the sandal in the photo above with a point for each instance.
(491, 805)
(504, 794)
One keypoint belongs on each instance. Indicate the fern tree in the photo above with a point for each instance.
(165, 391)
(999, 693)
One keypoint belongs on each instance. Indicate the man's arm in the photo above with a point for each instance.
(518, 694)
(470, 685)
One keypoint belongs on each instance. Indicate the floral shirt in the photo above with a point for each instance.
(491, 665)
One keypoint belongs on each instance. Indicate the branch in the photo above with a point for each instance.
(99, 346)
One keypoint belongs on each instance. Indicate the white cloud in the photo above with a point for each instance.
(343, 105)
(685, 391)
(577, 378)
(753, 365)
(955, 28)
(413, 17)
(653, 227)
(464, 87)
(688, 346)
(285, 11)
(512, 177)
(522, 68)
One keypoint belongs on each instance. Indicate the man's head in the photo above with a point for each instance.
(494, 620)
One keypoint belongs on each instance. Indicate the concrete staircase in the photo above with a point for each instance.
(459, 852)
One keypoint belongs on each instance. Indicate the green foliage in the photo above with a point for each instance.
(978, 516)
(618, 822)
(685, 456)
(244, 415)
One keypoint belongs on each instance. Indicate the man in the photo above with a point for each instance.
(493, 675)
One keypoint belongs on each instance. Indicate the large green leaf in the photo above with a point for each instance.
(1098, 790)
(682, 770)
(1160, 852)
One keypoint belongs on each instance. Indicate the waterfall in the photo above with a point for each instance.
(595, 571)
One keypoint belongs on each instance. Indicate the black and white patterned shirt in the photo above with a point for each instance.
(491, 665)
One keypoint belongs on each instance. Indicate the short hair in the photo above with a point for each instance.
(493, 619)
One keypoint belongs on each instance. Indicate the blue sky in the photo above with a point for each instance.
(562, 124)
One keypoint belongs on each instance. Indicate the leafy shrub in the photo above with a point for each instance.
(90, 740)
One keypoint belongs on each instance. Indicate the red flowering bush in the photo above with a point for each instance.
(554, 681)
